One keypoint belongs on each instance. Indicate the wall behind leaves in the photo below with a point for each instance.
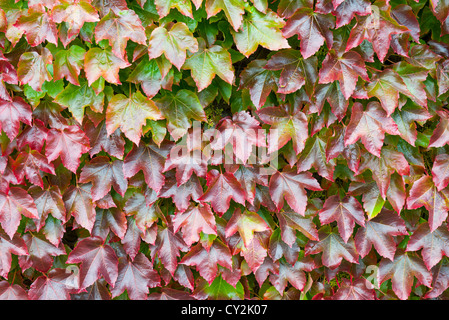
(333, 113)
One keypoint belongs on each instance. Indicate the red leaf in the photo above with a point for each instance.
(380, 232)
(12, 113)
(13, 205)
(291, 185)
(345, 211)
(136, 277)
(206, 261)
(151, 160)
(104, 173)
(40, 251)
(78, 203)
(168, 246)
(222, 187)
(8, 246)
(113, 144)
(312, 29)
(333, 247)
(433, 243)
(425, 193)
(68, 143)
(402, 271)
(193, 221)
(38, 26)
(118, 28)
(370, 126)
(97, 259)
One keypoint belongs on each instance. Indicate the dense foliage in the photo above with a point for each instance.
(224, 149)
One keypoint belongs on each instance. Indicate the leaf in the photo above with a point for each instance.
(386, 86)
(424, 193)
(348, 9)
(118, 28)
(99, 140)
(12, 292)
(193, 221)
(151, 74)
(178, 109)
(97, 259)
(286, 125)
(104, 6)
(333, 247)
(233, 10)
(168, 246)
(38, 26)
(205, 63)
(222, 187)
(259, 29)
(290, 221)
(345, 212)
(314, 155)
(135, 277)
(354, 290)
(40, 252)
(380, 232)
(440, 281)
(32, 68)
(312, 28)
(68, 143)
(13, 204)
(439, 136)
(10, 245)
(185, 164)
(292, 274)
(296, 71)
(206, 261)
(346, 67)
(12, 113)
(77, 97)
(150, 159)
(246, 224)
(182, 194)
(402, 271)
(103, 63)
(122, 110)
(163, 7)
(68, 64)
(249, 177)
(405, 119)
(78, 203)
(145, 215)
(378, 27)
(52, 286)
(104, 173)
(259, 81)
(75, 14)
(242, 131)
(432, 243)
(48, 201)
(439, 175)
(29, 164)
(172, 43)
(370, 126)
(291, 185)
(383, 167)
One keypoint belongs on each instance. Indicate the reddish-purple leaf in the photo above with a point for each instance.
(222, 187)
(97, 259)
(345, 211)
(135, 277)
(206, 261)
